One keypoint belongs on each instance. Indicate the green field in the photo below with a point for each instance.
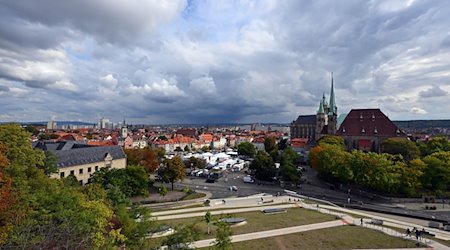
(344, 237)
(257, 221)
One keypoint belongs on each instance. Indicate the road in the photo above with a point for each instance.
(220, 189)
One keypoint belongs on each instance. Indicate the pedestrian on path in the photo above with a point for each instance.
(408, 232)
(362, 221)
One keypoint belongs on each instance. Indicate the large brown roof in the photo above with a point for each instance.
(368, 122)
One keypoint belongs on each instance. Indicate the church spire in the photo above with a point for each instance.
(321, 110)
(333, 108)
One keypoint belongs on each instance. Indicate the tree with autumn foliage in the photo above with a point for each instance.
(173, 170)
(149, 158)
(314, 156)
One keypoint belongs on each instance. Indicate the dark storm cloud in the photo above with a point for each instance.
(221, 61)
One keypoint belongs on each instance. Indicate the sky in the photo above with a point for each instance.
(178, 61)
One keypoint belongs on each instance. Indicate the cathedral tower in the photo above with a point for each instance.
(332, 112)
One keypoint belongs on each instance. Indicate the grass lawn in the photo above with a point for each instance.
(257, 221)
(343, 237)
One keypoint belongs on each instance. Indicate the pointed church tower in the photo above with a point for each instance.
(124, 131)
(321, 119)
(332, 112)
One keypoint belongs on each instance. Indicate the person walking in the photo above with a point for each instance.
(408, 232)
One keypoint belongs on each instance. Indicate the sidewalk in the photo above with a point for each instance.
(175, 204)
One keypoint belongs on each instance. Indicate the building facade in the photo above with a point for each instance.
(365, 129)
(314, 127)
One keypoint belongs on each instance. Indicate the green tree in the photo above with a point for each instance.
(196, 163)
(263, 166)
(173, 170)
(436, 176)
(135, 224)
(283, 144)
(332, 140)
(53, 136)
(333, 164)
(44, 136)
(223, 236)
(288, 166)
(246, 148)
(162, 191)
(32, 129)
(401, 146)
(178, 149)
(208, 219)
(206, 148)
(187, 149)
(50, 163)
(270, 144)
(434, 145)
(182, 238)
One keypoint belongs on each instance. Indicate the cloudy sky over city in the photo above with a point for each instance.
(178, 61)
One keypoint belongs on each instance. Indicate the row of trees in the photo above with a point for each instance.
(399, 171)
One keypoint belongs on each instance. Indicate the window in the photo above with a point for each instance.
(89, 169)
(62, 174)
(72, 172)
(96, 168)
(80, 171)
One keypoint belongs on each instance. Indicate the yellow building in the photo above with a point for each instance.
(82, 162)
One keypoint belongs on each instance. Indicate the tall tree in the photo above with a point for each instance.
(288, 166)
(246, 148)
(173, 170)
(208, 219)
(223, 236)
(263, 166)
(270, 144)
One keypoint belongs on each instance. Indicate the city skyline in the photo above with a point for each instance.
(159, 62)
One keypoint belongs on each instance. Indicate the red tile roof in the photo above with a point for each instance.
(368, 122)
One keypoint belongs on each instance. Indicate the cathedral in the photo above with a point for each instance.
(314, 127)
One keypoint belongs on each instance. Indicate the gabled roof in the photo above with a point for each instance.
(368, 122)
(80, 156)
(306, 119)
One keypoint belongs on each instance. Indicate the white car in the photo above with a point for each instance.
(233, 188)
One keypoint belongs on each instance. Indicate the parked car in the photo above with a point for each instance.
(248, 179)
(233, 188)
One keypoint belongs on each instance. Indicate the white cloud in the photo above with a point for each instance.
(418, 111)
(109, 80)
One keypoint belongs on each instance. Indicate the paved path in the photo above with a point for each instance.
(175, 204)
(218, 212)
(443, 235)
(216, 204)
(272, 233)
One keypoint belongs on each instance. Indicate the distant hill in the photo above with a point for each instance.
(423, 124)
(78, 123)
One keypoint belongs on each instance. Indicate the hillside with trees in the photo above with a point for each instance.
(37, 212)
